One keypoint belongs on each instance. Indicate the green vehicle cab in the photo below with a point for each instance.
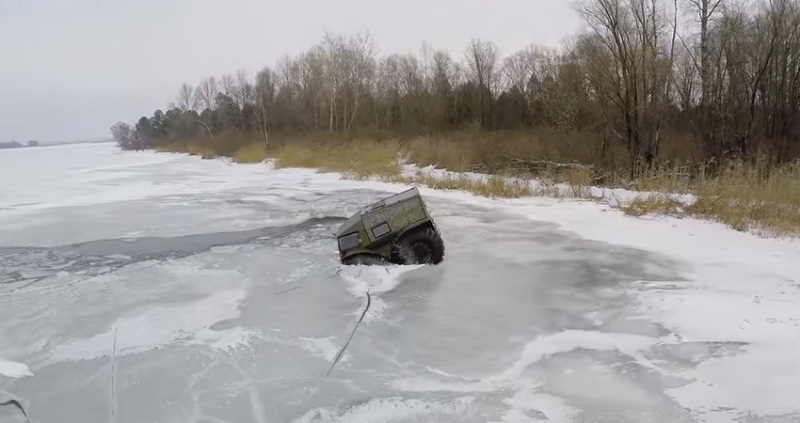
(396, 230)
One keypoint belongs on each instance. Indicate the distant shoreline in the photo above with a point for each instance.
(33, 144)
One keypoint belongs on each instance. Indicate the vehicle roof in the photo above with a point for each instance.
(394, 199)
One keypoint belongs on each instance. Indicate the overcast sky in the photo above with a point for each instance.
(71, 68)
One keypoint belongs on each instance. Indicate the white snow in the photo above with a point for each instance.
(324, 348)
(535, 350)
(752, 381)
(223, 340)
(151, 327)
(610, 196)
(546, 346)
(14, 369)
(387, 410)
(376, 280)
(531, 405)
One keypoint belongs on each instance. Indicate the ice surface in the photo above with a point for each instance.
(212, 292)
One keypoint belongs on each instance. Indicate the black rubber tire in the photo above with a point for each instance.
(420, 246)
(365, 260)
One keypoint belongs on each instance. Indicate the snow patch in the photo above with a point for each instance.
(378, 280)
(387, 410)
(611, 196)
(13, 369)
(224, 340)
(530, 401)
(549, 345)
(705, 315)
(323, 348)
(534, 351)
(153, 327)
(739, 382)
(530, 405)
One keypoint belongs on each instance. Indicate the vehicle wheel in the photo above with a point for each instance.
(421, 246)
(364, 260)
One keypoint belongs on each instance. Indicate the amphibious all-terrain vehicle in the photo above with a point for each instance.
(397, 230)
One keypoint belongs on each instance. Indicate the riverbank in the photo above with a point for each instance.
(759, 197)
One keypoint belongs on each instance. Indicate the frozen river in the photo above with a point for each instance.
(147, 287)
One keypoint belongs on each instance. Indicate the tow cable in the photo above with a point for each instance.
(16, 403)
(341, 351)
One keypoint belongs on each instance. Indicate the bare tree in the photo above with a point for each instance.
(519, 70)
(731, 88)
(229, 87)
(482, 59)
(629, 65)
(245, 92)
(360, 65)
(186, 97)
(312, 84)
(350, 70)
(705, 10)
(334, 48)
(445, 77)
(125, 136)
(206, 92)
(685, 81)
(779, 91)
(265, 99)
(388, 89)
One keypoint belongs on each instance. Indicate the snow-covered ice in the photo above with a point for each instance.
(211, 292)
(12, 369)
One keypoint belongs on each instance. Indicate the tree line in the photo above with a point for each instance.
(641, 73)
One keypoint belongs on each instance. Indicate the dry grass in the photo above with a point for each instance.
(748, 197)
(442, 153)
(356, 160)
(761, 196)
(667, 177)
(652, 204)
(510, 152)
(758, 197)
(252, 153)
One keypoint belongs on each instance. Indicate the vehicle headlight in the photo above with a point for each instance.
(348, 242)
